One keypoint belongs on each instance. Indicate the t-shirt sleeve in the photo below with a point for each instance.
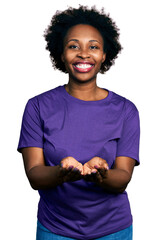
(31, 134)
(128, 143)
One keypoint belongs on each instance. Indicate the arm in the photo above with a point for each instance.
(114, 180)
(117, 178)
(41, 176)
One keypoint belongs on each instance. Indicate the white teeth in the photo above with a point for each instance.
(83, 66)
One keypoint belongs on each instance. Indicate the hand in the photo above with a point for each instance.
(95, 170)
(70, 169)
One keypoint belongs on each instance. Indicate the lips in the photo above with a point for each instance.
(83, 67)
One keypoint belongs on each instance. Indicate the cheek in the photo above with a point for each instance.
(99, 58)
(67, 57)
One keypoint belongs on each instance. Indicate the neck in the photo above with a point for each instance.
(84, 91)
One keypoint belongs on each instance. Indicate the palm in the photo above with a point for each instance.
(92, 165)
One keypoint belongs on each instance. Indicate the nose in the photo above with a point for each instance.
(84, 53)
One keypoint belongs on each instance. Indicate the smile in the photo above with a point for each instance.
(83, 67)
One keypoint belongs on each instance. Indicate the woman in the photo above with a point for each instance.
(80, 142)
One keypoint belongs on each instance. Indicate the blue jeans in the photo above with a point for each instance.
(44, 234)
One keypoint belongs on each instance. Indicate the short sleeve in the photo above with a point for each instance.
(128, 143)
(31, 134)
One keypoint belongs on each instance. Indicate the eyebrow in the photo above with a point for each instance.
(76, 40)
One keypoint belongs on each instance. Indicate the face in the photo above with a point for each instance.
(83, 52)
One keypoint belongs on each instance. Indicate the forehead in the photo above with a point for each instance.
(82, 31)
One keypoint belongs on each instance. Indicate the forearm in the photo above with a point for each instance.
(44, 177)
(116, 181)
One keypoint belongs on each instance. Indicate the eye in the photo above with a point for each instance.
(73, 47)
(94, 47)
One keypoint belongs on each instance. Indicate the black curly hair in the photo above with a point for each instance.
(62, 21)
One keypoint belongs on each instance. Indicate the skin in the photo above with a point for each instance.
(82, 43)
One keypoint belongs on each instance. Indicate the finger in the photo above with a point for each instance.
(88, 178)
(65, 164)
(98, 177)
(76, 170)
(64, 172)
(94, 176)
(70, 174)
(74, 177)
(106, 166)
(102, 172)
(86, 171)
(79, 167)
(93, 171)
(70, 167)
(74, 174)
(91, 176)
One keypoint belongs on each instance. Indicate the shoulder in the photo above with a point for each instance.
(46, 97)
(52, 93)
(126, 104)
(45, 104)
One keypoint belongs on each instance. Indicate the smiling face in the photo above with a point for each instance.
(83, 52)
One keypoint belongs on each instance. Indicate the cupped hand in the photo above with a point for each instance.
(94, 164)
(70, 169)
(95, 170)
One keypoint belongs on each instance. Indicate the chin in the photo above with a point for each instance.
(83, 77)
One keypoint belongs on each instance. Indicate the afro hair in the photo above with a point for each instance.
(61, 22)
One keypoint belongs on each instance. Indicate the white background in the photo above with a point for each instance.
(26, 71)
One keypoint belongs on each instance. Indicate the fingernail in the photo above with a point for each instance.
(107, 167)
(94, 171)
(70, 167)
(96, 166)
(75, 169)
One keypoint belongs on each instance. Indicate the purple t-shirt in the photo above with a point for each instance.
(66, 126)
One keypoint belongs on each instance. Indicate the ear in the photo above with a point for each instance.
(62, 58)
(104, 57)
